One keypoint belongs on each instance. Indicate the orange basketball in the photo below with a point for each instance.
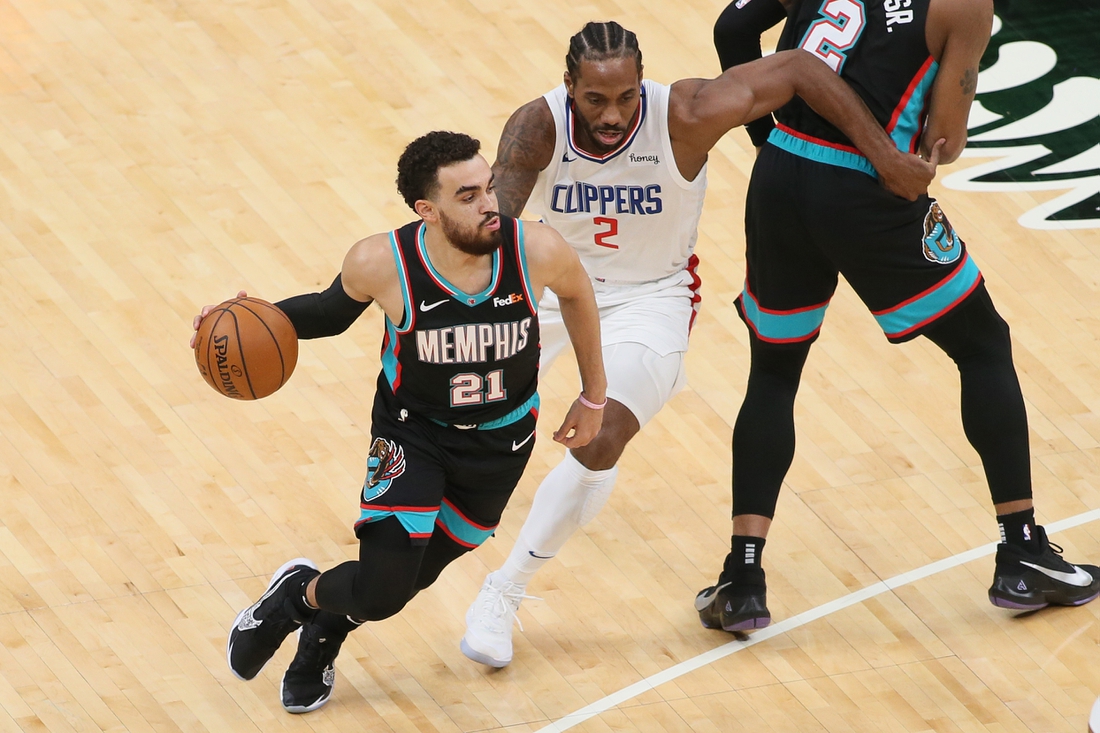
(246, 348)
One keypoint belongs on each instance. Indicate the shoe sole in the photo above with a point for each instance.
(1016, 606)
(749, 624)
(480, 658)
(299, 709)
(229, 641)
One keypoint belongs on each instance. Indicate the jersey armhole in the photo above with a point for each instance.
(666, 138)
(409, 317)
(521, 260)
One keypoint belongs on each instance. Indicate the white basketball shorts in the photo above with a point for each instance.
(644, 329)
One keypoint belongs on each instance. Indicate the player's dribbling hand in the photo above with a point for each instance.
(203, 314)
(583, 422)
(910, 175)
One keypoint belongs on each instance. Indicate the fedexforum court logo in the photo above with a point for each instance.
(1037, 111)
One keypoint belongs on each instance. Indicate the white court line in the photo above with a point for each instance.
(859, 596)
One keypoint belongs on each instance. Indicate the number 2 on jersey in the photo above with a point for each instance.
(836, 31)
(612, 229)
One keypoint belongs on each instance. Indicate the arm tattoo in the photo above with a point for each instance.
(522, 144)
(969, 81)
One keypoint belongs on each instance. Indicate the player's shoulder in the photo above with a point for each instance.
(961, 16)
(543, 242)
(528, 138)
(370, 258)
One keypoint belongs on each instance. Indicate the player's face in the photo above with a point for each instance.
(605, 95)
(467, 203)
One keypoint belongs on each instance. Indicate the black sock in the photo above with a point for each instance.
(743, 562)
(1018, 529)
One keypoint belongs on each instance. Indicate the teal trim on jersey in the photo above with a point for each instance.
(907, 127)
(521, 246)
(820, 153)
(417, 524)
(782, 327)
(468, 299)
(462, 529)
(403, 277)
(931, 304)
(514, 416)
(389, 355)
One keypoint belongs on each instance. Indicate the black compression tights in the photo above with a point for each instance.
(993, 414)
(389, 572)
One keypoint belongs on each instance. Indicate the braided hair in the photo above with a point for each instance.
(601, 41)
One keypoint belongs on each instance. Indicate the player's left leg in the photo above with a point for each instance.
(640, 381)
(1030, 572)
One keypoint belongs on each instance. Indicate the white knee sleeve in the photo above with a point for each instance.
(568, 498)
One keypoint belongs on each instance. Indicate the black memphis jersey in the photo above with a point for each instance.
(879, 48)
(460, 358)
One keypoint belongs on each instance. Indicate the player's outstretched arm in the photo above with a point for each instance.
(367, 267)
(961, 29)
(525, 148)
(554, 264)
(701, 111)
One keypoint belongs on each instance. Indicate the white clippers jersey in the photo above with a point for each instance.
(629, 214)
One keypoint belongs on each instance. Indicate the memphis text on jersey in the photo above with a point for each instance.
(584, 198)
(470, 343)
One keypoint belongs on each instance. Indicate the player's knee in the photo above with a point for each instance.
(976, 331)
(603, 452)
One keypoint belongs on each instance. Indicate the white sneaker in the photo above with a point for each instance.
(489, 620)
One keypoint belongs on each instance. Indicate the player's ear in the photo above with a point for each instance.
(568, 83)
(427, 211)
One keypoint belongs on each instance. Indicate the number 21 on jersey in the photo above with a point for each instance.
(835, 33)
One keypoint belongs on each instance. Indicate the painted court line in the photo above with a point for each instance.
(859, 596)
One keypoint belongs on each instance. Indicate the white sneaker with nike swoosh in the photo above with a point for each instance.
(489, 620)
(1028, 582)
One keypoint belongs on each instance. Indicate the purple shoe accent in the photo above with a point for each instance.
(751, 623)
(1004, 603)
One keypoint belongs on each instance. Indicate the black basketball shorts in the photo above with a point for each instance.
(434, 477)
(808, 219)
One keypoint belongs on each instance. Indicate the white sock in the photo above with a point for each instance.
(568, 498)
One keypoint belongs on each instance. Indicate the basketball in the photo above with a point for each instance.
(246, 348)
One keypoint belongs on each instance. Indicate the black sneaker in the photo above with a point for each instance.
(1029, 582)
(259, 629)
(307, 684)
(734, 606)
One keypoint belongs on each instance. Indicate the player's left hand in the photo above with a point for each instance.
(583, 422)
(908, 175)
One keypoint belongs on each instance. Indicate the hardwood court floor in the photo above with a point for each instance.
(156, 155)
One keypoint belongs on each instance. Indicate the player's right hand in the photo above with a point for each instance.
(203, 314)
(908, 175)
(580, 426)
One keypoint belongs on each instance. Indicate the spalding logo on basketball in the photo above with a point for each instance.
(246, 348)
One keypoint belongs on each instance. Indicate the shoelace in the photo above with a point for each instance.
(504, 601)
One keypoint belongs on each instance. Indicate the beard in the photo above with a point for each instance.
(472, 240)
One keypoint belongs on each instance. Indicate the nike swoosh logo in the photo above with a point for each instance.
(540, 557)
(424, 307)
(1080, 578)
(704, 599)
(566, 159)
(516, 446)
